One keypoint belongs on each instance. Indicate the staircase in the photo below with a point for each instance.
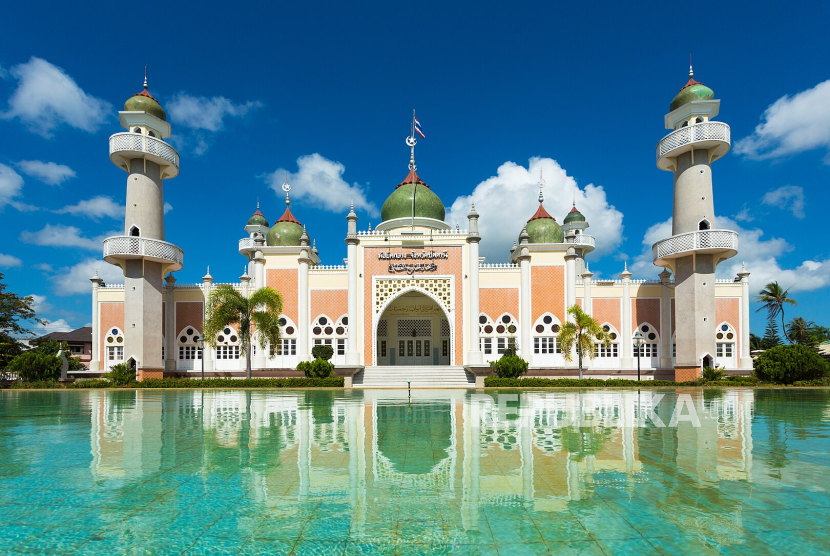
(418, 376)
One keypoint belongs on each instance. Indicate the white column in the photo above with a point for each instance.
(245, 281)
(525, 344)
(587, 305)
(627, 361)
(207, 352)
(665, 321)
(570, 280)
(474, 356)
(302, 338)
(746, 358)
(95, 363)
(352, 351)
(170, 325)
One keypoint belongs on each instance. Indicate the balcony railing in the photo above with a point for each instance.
(707, 134)
(246, 244)
(130, 247)
(123, 145)
(704, 241)
(585, 239)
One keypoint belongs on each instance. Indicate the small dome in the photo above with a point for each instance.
(543, 228)
(258, 219)
(144, 102)
(399, 203)
(574, 216)
(693, 90)
(286, 231)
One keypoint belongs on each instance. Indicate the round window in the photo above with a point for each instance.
(724, 327)
(114, 332)
(329, 331)
(183, 339)
(652, 336)
(555, 328)
(234, 339)
(644, 328)
(190, 332)
(720, 336)
(511, 328)
(283, 322)
(289, 330)
(505, 319)
(109, 340)
(606, 328)
(220, 338)
(613, 336)
(119, 339)
(488, 329)
(729, 336)
(317, 330)
(227, 331)
(500, 329)
(482, 319)
(323, 320)
(548, 319)
(345, 320)
(540, 328)
(340, 330)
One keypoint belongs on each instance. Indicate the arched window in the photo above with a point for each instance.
(227, 344)
(136, 129)
(703, 225)
(601, 351)
(151, 133)
(114, 343)
(495, 336)
(726, 339)
(546, 335)
(188, 345)
(288, 338)
(135, 231)
(699, 120)
(651, 341)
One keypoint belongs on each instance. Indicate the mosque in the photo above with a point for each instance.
(414, 301)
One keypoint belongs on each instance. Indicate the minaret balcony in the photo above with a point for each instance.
(128, 146)
(713, 137)
(118, 249)
(587, 242)
(246, 245)
(715, 242)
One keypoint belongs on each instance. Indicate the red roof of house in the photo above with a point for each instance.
(412, 177)
(541, 213)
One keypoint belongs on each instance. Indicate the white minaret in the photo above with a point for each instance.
(141, 252)
(696, 246)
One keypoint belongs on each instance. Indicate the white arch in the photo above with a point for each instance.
(391, 299)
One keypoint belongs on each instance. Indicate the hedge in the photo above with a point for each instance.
(535, 382)
(291, 382)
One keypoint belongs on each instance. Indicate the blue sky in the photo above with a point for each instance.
(324, 91)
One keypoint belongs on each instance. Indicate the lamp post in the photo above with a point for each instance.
(200, 339)
(638, 342)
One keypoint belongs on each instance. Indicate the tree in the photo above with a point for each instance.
(820, 334)
(14, 311)
(755, 342)
(771, 337)
(773, 298)
(227, 306)
(581, 334)
(801, 331)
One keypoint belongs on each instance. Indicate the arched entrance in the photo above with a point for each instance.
(413, 329)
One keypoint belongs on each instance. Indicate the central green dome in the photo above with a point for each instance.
(693, 90)
(399, 203)
(286, 231)
(144, 102)
(543, 228)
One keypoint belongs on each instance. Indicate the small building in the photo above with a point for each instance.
(79, 341)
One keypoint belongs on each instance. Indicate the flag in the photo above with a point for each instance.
(418, 127)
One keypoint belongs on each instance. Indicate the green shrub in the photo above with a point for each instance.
(539, 382)
(121, 374)
(33, 367)
(318, 368)
(789, 364)
(711, 374)
(322, 351)
(509, 366)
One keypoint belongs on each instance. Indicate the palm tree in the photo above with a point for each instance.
(773, 297)
(226, 305)
(581, 332)
(801, 331)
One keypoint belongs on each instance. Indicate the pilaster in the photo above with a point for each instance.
(665, 321)
(746, 356)
(95, 363)
(207, 351)
(170, 331)
(303, 350)
(474, 355)
(352, 352)
(525, 344)
(627, 359)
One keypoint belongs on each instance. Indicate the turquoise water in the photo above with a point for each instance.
(348, 472)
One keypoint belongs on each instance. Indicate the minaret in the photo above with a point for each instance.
(696, 246)
(141, 252)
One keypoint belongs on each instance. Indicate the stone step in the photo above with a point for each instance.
(417, 376)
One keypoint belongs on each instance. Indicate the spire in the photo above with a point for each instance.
(145, 77)
(691, 71)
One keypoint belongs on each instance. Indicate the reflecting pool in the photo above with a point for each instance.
(379, 472)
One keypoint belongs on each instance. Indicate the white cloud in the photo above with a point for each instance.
(63, 236)
(319, 181)
(95, 208)
(744, 215)
(75, 279)
(787, 197)
(167, 207)
(47, 97)
(11, 183)
(508, 199)
(761, 257)
(59, 325)
(9, 260)
(47, 172)
(40, 305)
(790, 125)
(206, 113)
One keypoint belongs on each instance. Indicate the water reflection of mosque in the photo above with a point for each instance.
(464, 449)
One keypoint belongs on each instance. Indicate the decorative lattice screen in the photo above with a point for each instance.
(439, 287)
(423, 328)
(445, 328)
(383, 328)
